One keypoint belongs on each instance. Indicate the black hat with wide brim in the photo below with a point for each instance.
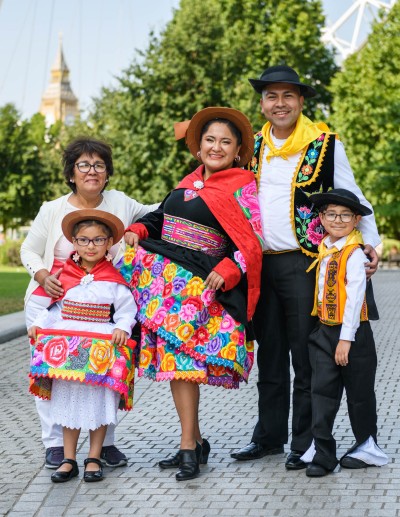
(92, 214)
(281, 74)
(340, 196)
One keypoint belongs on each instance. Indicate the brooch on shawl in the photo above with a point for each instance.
(198, 184)
(87, 279)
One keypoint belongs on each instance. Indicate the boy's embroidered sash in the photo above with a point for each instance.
(85, 357)
(331, 307)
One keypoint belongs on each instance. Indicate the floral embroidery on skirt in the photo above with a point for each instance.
(186, 333)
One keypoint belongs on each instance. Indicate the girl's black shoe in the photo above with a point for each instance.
(60, 476)
(93, 475)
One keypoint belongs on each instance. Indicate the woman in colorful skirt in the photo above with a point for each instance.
(81, 361)
(195, 276)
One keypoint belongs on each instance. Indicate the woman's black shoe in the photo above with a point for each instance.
(205, 451)
(93, 475)
(189, 463)
(173, 461)
(60, 476)
(170, 463)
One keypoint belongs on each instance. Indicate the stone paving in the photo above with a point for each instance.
(260, 488)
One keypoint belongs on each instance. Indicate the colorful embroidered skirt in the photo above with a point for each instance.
(86, 357)
(186, 334)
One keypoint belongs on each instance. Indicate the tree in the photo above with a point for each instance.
(203, 58)
(26, 166)
(366, 112)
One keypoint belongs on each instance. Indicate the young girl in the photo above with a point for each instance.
(80, 360)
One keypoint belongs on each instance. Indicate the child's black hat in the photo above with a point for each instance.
(340, 196)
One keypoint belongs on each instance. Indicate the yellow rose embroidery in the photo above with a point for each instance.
(101, 356)
(214, 324)
(129, 255)
(152, 307)
(185, 332)
(195, 286)
(145, 358)
(168, 363)
(145, 278)
(229, 351)
(170, 272)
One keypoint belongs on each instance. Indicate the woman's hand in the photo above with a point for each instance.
(119, 337)
(214, 281)
(52, 285)
(132, 239)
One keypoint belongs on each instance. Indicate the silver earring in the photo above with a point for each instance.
(75, 257)
(108, 256)
(198, 154)
(237, 158)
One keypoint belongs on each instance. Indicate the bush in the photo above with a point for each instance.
(10, 253)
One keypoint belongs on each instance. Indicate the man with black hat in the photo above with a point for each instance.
(293, 158)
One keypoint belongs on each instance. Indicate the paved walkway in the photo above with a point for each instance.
(261, 488)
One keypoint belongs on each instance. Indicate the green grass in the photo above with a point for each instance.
(13, 284)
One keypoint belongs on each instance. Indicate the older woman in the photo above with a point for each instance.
(87, 168)
(196, 276)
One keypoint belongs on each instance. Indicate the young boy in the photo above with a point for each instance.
(341, 347)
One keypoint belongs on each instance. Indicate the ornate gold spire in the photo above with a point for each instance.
(59, 101)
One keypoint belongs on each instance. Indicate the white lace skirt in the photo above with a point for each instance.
(80, 406)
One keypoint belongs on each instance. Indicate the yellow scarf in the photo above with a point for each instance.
(305, 132)
(354, 237)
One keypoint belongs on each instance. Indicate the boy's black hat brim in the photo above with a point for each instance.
(342, 197)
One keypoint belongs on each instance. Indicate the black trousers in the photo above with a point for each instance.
(328, 382)
(282, 325)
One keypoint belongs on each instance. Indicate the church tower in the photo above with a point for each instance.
(59, 101)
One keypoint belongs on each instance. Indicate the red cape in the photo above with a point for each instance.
(218, 194)
(72, 274)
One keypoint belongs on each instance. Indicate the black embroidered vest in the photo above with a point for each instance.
(313, 174)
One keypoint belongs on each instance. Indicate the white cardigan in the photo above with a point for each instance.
(37, 250)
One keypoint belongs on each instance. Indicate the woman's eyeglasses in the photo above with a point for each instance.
(84, 241)
(85, 167)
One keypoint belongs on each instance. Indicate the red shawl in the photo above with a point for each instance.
(218, 194)
(72, 274)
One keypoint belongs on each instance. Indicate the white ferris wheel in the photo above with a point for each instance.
(348, 33)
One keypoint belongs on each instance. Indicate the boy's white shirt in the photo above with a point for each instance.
(355, 287)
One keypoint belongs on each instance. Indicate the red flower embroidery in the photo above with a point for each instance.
(55, 351)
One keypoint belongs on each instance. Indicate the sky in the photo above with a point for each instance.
(99, 37)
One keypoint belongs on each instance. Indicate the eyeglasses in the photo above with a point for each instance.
(97, 241)
(331, 217)
(85, 167)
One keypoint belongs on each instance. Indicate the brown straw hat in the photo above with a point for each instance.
(91, 214)
(240, 120)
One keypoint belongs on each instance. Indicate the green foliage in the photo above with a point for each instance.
(203, 58)
(27, 174)
(367, 116)
(10, 253)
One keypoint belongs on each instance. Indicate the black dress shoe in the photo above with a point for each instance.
(254, 451)
(91, 476)
(316, 471)
(60, 476)
(353, 463)
(293, 461)
(189, 464)
(173, 461)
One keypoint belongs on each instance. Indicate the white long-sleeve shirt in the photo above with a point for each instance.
(355, 287)
(275, 192)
